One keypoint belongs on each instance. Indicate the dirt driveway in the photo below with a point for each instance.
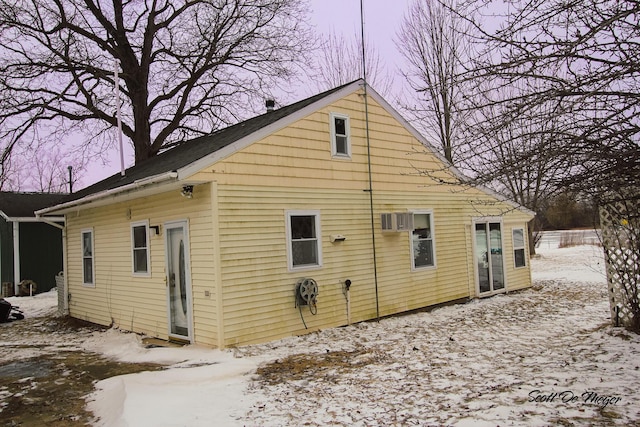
(44, 382)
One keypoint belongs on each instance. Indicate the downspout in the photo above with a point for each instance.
(65, 287)
(370, 189)
(16, 256)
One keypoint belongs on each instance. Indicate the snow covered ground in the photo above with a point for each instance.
(544, 356)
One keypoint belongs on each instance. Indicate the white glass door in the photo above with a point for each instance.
(178, 280)
(489, 260)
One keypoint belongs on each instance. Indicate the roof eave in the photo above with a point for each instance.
(452, 169)
(155, 182)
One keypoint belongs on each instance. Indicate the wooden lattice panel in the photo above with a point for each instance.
(620, 240)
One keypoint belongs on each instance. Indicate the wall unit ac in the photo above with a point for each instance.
(396, 221)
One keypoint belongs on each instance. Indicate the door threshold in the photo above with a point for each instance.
(157, 342)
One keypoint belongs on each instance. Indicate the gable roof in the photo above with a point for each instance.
(17, 206)
(172, 168)
(190, 151)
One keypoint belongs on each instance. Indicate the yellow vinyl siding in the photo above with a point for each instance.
(259, 291)
(140, 303)
(258, 288)
(293, 169)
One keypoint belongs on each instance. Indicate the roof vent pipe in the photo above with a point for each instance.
(270, 104)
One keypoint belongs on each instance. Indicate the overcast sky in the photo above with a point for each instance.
(382, 19)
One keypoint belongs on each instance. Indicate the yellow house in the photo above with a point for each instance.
(322, 213)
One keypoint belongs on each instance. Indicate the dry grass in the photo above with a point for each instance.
(305, 366)
(577, 238)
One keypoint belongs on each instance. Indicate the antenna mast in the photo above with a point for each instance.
(117, 88)
(370, 189)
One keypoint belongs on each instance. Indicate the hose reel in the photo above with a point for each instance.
(306, 294)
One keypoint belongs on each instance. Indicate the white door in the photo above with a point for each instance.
(489, 259)
(178, 280)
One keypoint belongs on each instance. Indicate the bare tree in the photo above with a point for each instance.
(339, 61)
(580, 58)
(43, 169)
(185, 67)
(515, 158)
(432, 39)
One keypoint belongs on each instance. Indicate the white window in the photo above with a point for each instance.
(422, 244)
(519, 254)
(88, 262)
(303, 239)
(140, 248)
(340, 135)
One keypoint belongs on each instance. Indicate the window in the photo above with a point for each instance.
(87, 257)
(422, 247)
(304, 244)
(340, 138)
(140, 248)
(519, 254)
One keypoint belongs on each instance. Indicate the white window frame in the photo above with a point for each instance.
(433, 241)
(92, 283)
(318, 238)
(334, 148)
(147, 248)
(516, 248)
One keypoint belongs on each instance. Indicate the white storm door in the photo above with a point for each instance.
(178, 280)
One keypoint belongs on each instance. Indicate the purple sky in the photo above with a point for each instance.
(382, 20)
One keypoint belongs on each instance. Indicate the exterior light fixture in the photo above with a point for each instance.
(187, 191)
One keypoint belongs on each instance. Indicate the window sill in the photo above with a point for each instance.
(423, 268)
(141, 275)
(305, 268)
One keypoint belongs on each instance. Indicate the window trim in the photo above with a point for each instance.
(133, 225)
(433, 240)
(516, 248)
(92, 283)
(289, 240)
(334, 148)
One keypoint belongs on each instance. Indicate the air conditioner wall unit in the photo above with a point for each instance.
(404, 221)
(387, 221)
(396, 221)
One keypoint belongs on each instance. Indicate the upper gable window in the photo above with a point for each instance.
(340, 135)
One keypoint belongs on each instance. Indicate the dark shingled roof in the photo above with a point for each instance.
(195, 149)
(24, 204)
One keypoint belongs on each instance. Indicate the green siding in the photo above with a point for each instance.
(40, 254)
(6, 251)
